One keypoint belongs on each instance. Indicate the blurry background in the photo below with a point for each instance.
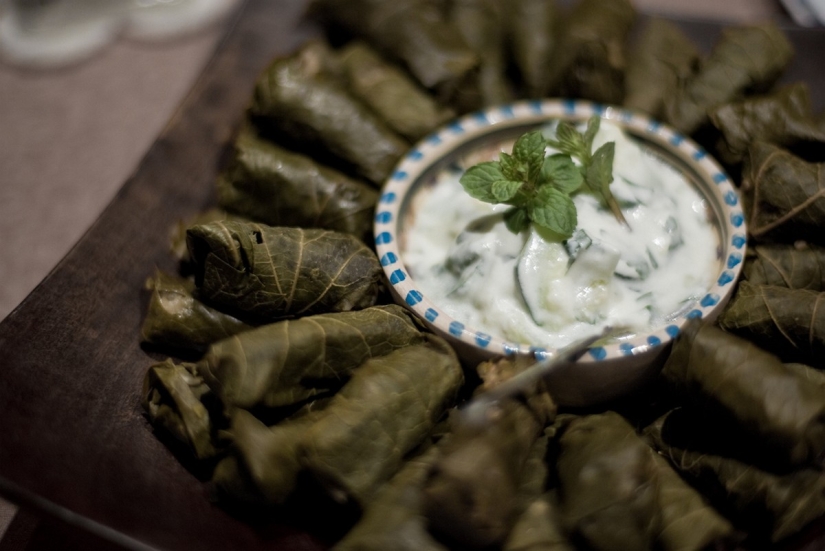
(71, 135)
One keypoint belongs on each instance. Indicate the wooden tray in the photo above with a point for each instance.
(73, 439)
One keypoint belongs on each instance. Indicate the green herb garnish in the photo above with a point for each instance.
(597, 167)
(539, 187)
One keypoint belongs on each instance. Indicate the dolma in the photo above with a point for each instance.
(471, 496)
(772, 505)
(358, 440)
(291, 361)
(481, 24)
(263, 462)
(538, 525)
(402, 103)
(793, 266)
(172, 397)
(782, 196)
(262, 273)
(388, 407)
(176, 319)
(533, 28)
(811, 376)
(413, 32)
(784, 118)
(393, 519)
(297, 98)
(787, 322)
(177, 242)
(726, 374)
(745, 59)
(590, 58)
(659, 62)
(608, 485)
(269, 184)
(534, 473)
(538, 529)
(688, 523)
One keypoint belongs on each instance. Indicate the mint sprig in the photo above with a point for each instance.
(539, 188)
(596, 166)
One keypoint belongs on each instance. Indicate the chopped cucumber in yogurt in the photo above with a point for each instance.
(539, 288)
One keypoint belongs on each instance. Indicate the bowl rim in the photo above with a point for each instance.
(446, 140)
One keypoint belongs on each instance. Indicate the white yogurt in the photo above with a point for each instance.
(537, 289)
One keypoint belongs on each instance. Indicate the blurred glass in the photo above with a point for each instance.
(808, 13)
(51, 33)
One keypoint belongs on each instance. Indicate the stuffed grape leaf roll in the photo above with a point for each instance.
(172, 397)
(608, 486)
(724, 373)
(783, 196)
(688, 522)
(811, 376)
(291, 361)
(298, 98)
(177, 244)
(745, 59)
(590, 59)
(471, 496)
(394, 519)
(482, 25)
(387, 409)
(269, 184)
(617, 493)
(538, 529)
(406, 107)
(788, 322)
(263, 462)
(361, 437)
(177, 320)
(783, 118)
(533, 29)
(414, 32)
(770, 505)
(659, 62)
(538, 523)
(262, 273)
(793, 266)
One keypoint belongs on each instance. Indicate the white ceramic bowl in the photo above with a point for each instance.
(606, 370)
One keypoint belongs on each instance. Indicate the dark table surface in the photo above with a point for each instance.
(73, 440)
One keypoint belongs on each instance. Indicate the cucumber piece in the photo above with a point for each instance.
(556, 295)
(634, 268)
(578, 242)
(674, 231)
(540, 264)
(463, 254)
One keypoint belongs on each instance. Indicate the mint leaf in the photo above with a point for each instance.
(516, 219)
(509, 167)
(592, 128)
(529, 148)
(568, 140)
(554, 210)
(538, 188)
(504, 190)
(599, 172)
(560, 172)
(478, 181)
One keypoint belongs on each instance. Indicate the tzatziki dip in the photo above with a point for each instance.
(538, 288)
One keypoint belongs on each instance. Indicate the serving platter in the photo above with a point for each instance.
(74, 443)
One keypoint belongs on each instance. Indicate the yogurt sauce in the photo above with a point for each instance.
(539, 289)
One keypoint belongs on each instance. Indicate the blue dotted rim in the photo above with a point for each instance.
(715, 186)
